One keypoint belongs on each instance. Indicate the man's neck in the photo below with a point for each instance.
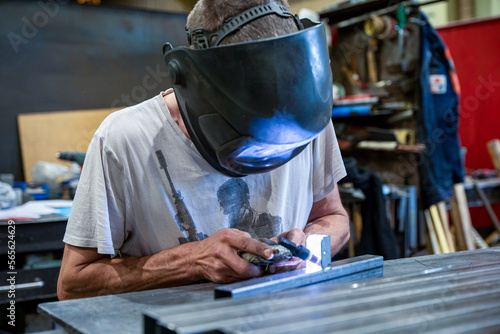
(173, 108)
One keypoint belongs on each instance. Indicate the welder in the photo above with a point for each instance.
(242, 147)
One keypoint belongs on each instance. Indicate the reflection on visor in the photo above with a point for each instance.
(253, 149)
(259, 153)
(245, 153)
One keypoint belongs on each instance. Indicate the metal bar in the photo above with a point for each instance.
(23, 286)
(412, 232)
(298, 278)
(382, 287)
(306, 318)
(395, 322)
(447, 296)
(229, 308)
(263, 315)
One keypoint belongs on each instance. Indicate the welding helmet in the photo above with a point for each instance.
(251, 107)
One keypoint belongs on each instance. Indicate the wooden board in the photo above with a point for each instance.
(443, 214)
(439, 229)
(42, 135)
(494, 150)
(461, 218)
(433, 245)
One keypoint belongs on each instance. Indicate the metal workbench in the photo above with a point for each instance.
(125, 313)
(33, 238)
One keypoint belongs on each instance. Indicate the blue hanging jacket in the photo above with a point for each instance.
(441, 165)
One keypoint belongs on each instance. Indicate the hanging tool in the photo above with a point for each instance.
(380, 27)
(284, 250)
(371, 63)
(75, 156)
(401, 19)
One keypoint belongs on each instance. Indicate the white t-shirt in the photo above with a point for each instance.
(145, 188)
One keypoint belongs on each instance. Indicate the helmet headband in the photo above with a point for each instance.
(203, 39)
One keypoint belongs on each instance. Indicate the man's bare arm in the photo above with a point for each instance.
(85, 273)
(328, 216)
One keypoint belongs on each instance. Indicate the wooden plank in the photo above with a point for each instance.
(492, 238)
(351, 247)
(357, 219)
(461, 218)
(494, 150)
(478, 240)
(443, 214)
(434, 244)
(438, 227)
(42, 135)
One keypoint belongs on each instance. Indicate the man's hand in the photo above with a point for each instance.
(217, 257)
(86, 273)
(296, 236)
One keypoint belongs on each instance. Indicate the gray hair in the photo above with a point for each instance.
(211, 14)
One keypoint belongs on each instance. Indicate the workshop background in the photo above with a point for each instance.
(416, 184)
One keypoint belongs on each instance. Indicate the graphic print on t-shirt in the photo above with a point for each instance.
(183, 217)
(234, 199)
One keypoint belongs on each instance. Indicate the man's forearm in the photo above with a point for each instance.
(335, 225)
(119, 275)
(85, 273)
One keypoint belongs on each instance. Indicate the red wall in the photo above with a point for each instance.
(475, 49)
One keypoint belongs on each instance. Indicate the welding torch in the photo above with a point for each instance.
(285, 249)
(299, 251)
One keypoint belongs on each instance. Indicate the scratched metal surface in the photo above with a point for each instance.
(124, 313)
(453, 297)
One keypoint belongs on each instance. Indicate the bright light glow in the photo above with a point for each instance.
(313, 243)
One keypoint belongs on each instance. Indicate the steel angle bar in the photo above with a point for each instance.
(298, 278)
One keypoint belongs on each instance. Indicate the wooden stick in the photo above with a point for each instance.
(438, 227)
(487, 206)
(478, 240)
(443, 214)
(434, 245)
(492, 238)
(357, 220)
(351, 252)
(494, 150)
(461, 218)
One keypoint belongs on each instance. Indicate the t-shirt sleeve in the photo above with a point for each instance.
(327, 163)
(97, 218)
